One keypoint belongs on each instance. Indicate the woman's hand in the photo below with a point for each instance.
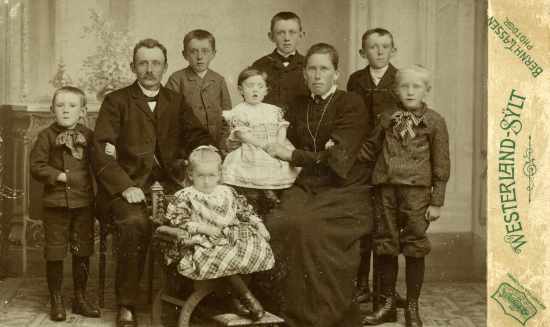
(278, 151)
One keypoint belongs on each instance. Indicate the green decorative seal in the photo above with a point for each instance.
(514, 303)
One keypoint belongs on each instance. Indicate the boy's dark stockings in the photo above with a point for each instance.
(54, 277)
(246, 297)
(81, 305)
(415, 278)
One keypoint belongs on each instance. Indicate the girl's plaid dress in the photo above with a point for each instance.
(241, 248)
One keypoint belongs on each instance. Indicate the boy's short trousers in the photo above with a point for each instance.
(64, 228)
(400, 220)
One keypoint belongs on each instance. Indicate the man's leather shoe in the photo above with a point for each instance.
(82, 306)
(412, 317)
(126, 317)
(57, 309)
(386, 313)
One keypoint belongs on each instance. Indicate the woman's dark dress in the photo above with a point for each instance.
(316, 229)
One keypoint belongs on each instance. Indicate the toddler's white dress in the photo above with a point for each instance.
(250, 166)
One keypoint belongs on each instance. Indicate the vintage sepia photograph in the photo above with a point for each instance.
(311, 163)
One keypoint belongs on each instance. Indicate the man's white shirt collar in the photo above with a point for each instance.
(150, 93)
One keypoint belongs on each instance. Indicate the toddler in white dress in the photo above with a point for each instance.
(255, 124)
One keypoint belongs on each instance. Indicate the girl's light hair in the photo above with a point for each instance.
(203, 154)
(419, 70)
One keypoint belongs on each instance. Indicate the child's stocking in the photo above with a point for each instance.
(81, 305)
(415, 278)
(248, 299)
(54, 276)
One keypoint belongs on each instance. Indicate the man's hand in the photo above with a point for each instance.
(433, 213)
(133, 195)
(62, 177)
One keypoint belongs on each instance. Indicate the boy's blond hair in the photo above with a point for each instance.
(421, 71)
(70, 89)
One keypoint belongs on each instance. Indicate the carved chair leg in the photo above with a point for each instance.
(192, 301)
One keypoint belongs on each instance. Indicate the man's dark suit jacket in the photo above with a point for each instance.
(141, 137)
(377, 98)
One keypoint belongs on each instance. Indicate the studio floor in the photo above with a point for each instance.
(24, 302)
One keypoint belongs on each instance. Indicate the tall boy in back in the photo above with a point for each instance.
(375, 84)
(284, 66)
(204, 89)
(410, 146)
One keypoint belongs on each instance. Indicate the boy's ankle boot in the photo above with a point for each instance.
(400, 301)
(81, 305)
(412, 316)
(57, 307)
(387, 312)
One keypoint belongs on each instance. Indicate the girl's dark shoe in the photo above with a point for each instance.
(57, 309)
(239, 307)
(386, 313)
(412, 316)
(252, 304)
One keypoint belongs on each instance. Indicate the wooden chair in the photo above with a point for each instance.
(199, 288)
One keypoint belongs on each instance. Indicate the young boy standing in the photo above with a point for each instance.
(374, 84)
(284, 66)
(410, 146)
(60, 160)
(204, 89)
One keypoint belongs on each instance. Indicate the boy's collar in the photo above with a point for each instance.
(283, 55)
(202, 74)
(418, 112)
(58, 128)
(379, 71)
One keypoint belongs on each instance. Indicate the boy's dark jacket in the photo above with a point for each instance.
(421, 161)
(377, 98)
(47, 161)
(285, 83)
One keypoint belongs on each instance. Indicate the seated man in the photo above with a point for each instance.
(150, 126)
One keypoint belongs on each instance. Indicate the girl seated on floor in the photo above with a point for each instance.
(223, 236)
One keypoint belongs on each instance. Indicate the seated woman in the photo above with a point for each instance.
(316, 229)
